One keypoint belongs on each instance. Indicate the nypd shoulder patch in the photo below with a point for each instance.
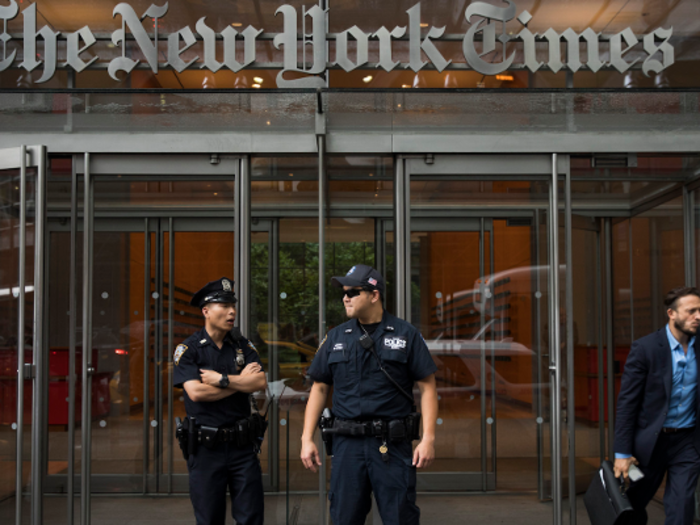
(181, 349)
(252, 347)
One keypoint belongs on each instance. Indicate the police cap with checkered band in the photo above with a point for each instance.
(219, 291)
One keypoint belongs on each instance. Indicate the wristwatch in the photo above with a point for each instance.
(223, 382)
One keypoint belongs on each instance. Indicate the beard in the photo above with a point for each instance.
(684, 328)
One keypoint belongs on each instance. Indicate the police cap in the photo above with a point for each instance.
(361, 275)
(220, 291)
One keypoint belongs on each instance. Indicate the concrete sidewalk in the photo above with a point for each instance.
(491, 509)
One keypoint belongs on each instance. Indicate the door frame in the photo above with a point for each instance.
(491, 167)
(23, 158)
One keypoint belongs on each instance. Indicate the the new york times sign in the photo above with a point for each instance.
(486, 34)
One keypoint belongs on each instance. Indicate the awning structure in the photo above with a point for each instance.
(353, 121)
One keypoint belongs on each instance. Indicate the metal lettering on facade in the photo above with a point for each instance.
(486, 35)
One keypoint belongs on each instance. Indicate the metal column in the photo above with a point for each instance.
(73, 322)
(402, 238)
(321, 304)
(554, 345)
(601, 345)
(689, 235)
(538, 349)
(168, 355)
(86, 438)
(146, 350)
(570, 390)
(483, 290)
(609, 333)
(242, 244)
(40, 370)
(21, 308)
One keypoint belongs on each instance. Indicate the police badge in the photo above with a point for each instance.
(226, 285)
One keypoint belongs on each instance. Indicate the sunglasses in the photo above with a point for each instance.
(354, 292)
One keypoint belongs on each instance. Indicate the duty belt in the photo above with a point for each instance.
(393, 429)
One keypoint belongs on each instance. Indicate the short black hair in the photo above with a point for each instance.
(671, 300)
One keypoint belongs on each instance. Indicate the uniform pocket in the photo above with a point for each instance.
(338, 362)
(410, 479)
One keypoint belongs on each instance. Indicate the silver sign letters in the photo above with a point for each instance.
(484, 45)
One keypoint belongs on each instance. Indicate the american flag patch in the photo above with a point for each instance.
(371, 281)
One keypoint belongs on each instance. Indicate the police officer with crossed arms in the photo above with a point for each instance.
(372, 361)
(218, 369)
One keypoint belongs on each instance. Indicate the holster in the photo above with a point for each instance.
(413, 426)
(325, 423)
(181, 434)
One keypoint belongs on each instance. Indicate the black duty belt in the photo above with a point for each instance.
(674, 430)
(390, 429)
(241, 433)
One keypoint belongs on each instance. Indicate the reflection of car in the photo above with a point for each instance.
(459, 363)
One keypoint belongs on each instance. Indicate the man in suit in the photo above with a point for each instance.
(657, 410)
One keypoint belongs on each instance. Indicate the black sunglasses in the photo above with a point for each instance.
(354, 292)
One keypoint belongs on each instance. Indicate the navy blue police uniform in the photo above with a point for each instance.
(363, 393)
(225, 465)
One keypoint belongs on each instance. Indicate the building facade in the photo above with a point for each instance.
(463, 148)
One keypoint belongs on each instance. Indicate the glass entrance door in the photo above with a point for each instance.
(478, 288)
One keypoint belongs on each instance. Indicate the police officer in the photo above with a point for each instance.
(369, 410)
(218, 370)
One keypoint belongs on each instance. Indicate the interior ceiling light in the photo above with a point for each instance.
(256, 86)
(367, 79)
(423, 24)
(405, 86)
(236, 24)
(258, 80)
(505, 78)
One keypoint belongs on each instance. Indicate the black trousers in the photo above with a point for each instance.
(226, 467)
(358, 470)
(676, 456)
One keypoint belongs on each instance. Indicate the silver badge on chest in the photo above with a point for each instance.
(240, 359)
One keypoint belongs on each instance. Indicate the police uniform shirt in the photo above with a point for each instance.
(361, 390)
(199, 352)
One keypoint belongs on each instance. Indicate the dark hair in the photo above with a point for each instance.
(671, 300)
(373, 289)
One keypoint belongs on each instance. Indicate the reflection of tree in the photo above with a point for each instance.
(298, 281)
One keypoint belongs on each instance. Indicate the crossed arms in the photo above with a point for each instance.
(251, 379)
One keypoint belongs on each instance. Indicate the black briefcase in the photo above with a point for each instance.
(605, 499)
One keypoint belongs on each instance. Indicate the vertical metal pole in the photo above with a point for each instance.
(631, 259)
(243, 236)
(482, 355)
(689, 235)
(73, 321)
(21, 307)
(492, 271)
(321, 300)
(555, 347)
(146, 351)
(273, 373)
(610, 335)
(538, 373)
(158, 360)
(601, 344)
(168, 354)
(85, 457)
(570, 402)
(40, 379)
(402, 209)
